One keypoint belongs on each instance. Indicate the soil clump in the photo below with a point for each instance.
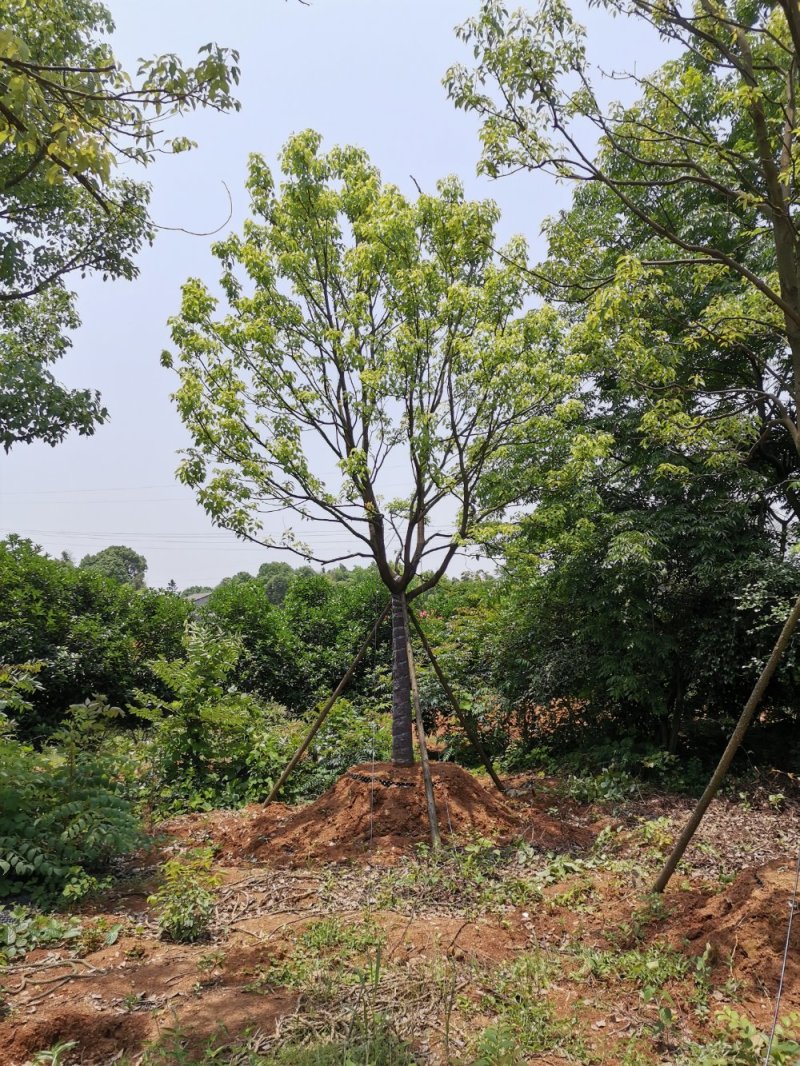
(381, 808)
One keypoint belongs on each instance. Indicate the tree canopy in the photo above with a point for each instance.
(121, 564)
(681, 245)
(73, 127)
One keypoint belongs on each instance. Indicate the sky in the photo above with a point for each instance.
(365, 72)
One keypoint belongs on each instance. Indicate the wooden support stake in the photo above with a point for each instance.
(466, 720)
(433, 818)
(323, 714)
(733, 744)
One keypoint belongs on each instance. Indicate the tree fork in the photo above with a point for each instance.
(466, 720)
(733, 744)
(323, 714)
(433, 818)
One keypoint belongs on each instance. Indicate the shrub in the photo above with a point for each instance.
(185, 901)
(63, 816)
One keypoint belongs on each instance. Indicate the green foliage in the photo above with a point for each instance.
(68, 114)
(119, 563)
(63, 815)
(185, 901)
(517, 995)
(740, 1043)
(475, 875)
(647, 968)
(22, 930)
(89, 633)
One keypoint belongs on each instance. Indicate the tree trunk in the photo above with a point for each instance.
(677, 697)
(402, 742)
(733, 744)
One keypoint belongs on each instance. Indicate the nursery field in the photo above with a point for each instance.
(451, 717)
(330, 932)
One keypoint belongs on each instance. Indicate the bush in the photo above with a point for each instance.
(63, 815)
(185, 901)
(89, 633)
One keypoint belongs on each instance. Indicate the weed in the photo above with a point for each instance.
(740, 1043)
(22, 930)
(573, 897)
(609, 786)
(651, 967)
(527, 1023)
(55, 1055)
(211, 960)
(652, 911)
(97, 934)
(323, 959)
(656, 834)
(185, 901)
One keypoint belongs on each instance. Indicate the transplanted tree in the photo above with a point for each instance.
(118, 562)
(68, 115)
(372, 370)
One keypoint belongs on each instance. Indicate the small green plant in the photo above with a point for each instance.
(527, 1022)
(185, 901)
(326, 954)
(657, 834)
(63, 812)
(22, 930)
(739, 1042)
(651, 967)
(652, 911)
(609, 786)
(98, 934)
(54, 1056)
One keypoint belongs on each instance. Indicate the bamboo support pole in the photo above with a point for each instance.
(733, 744)
(323, 714)
(467, 723)
(433, 818)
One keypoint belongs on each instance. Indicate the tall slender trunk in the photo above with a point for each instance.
(402, 743)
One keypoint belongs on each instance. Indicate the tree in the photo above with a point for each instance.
(704, 167)
(695, 183)
(119, 563)
(369, 340)
(68, 115)
(276, 578)
(90, 633)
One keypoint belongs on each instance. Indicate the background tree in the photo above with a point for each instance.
(696, 182)
(119, 563)
(369, 341)
(704, 167)
(90, 633)
(68, 115)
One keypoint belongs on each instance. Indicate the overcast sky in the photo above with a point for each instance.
(365, 72)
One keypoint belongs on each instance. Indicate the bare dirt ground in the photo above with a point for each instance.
(530, 939)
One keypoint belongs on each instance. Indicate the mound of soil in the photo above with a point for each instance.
(747, 924)
(380, 807)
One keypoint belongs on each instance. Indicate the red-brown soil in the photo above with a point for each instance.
(382, 808)
(746, 925)
(277, 876)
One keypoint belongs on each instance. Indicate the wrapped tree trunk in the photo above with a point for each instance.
(402, 743)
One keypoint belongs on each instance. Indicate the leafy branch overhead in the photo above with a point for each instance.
(73, 124)
(679, 256)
